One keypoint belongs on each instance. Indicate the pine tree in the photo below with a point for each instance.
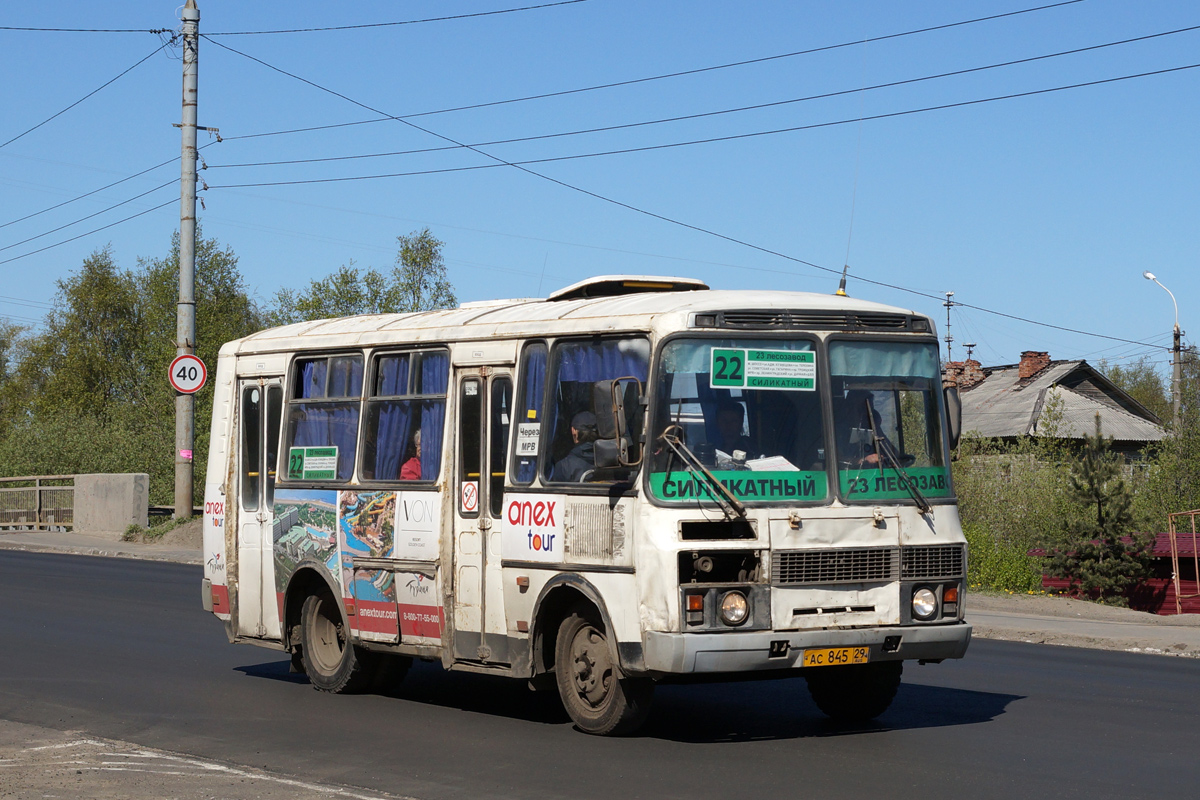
(1097, 558)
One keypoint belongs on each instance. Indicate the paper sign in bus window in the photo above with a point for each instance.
(312, 463)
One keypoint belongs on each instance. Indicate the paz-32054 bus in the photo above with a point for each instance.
(633, 479)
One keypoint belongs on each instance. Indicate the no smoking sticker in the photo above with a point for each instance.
(470, 497)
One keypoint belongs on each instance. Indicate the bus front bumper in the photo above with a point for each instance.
(767, 650)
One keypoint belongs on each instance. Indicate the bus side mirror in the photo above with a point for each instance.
(618, 405)
(953, 414)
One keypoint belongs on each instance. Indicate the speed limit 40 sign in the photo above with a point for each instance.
(187, 374)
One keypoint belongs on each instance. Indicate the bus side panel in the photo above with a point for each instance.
(216, 566)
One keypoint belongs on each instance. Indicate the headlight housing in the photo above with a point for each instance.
(924, 604)
(735, 608)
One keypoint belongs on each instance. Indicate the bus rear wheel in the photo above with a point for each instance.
(331, 661)
(594, 697)
(855, 692)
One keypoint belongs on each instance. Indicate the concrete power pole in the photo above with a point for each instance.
(185, 320)
(1176, 377)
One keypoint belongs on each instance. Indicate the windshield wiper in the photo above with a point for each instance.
(885, 450)
(730, 505)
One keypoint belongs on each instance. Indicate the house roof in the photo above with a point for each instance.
(1003, 404)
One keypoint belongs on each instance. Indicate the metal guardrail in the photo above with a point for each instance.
(40, 502)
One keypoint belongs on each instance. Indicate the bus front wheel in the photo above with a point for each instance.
(332, 662)
(855, 692)
(595, 698)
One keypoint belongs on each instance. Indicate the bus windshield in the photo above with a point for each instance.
(887, 432)
(749, 411)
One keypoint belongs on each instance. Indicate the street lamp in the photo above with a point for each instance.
(1176, 369)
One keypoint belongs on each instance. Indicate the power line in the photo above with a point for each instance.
(157, 31)
(86, 96)
(89, 233)
(20, 301)
(403, 22)
(171, 182)
(706, 231)
(665, 76)
(755, 107)
(95, 191)
(646, 148)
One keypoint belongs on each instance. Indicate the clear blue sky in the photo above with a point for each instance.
(1046, 207)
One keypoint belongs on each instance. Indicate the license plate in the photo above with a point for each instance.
(835, 656)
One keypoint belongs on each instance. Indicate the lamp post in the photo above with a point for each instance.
(1176, 368)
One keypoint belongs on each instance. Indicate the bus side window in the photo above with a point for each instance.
(529, 413)
(324, 408)
(498, 427)
(575, 368)
(405, 417)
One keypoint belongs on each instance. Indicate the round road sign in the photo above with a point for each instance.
(187, 374)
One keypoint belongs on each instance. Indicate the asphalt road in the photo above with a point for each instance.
(120, 649)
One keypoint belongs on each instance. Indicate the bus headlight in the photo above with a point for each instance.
(734, 608)
(924, 604)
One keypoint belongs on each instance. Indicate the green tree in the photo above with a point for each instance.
(1173, 476)
(417, 282)
(90, 393)
(1097, 558)
(1142, 381)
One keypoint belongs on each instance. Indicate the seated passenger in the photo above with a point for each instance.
(582, 457)
(411, 469)
(731, 421)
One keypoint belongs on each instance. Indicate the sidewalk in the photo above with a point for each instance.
(1039, 619)
(85, 545)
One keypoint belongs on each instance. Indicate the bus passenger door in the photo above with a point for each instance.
(484, 420)
(260, 406)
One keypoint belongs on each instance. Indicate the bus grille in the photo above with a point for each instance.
(935, 561)
(843, 565)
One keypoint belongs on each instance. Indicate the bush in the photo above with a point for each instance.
(994, 563)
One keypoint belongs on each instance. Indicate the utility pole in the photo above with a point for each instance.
(948, 304)
(1176, 376)
(185, 319)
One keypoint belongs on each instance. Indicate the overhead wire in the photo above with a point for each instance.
(669, 145)
(155, 31)
(402, 22)
(86, 96)
(89, 233)
(715, 234)
(171, 182)
(755, 107)
(681, 73)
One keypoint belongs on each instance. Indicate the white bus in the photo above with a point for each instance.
(632, 480)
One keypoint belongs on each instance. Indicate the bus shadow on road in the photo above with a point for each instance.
(695, 712)
(782, 709)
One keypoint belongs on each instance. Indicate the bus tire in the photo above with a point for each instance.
(331, 661)
(855, 692)
(596, 700)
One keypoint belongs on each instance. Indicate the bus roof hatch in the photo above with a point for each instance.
(613, 285)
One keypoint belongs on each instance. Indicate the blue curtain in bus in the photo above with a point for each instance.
(312, 379)
(435, 377)
(392, 436)
(532, 390)
(605, 360)
(393, 376)
(325, 424)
